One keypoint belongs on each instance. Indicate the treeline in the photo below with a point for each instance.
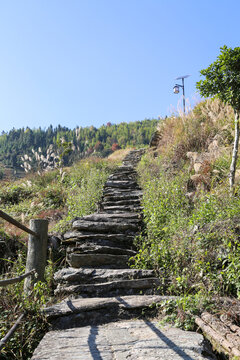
(85, 141)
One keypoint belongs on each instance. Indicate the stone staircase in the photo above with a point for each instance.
(99, 288)
(99, 248)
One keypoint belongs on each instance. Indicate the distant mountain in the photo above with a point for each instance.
(84, 141)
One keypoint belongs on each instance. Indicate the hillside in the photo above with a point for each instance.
(192, 219)
(18, 143)
(190, 236)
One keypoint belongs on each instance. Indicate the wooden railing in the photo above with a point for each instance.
(12, 221)
(36, 261)
(17, 279)
(7, 337)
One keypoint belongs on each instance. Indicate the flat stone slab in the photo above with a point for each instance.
(105, 227)
(93, 236)
(123, 208)
(121, 184)
(89, 275)
(109, 217)
(131, 340)
(91, 248)
(116, 287)
(75, 306)
(122, 196)
(115, 191)
(134, 202)
(96, 260)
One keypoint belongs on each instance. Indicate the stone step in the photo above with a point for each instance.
(88, 248)
(122, 194)
(122, 184)
(110, 288)
(122, 197)
(80, 312)
(131, 162)
(129, 202)
(124, 173)
(105, 227)
(123, 168)
(130, 191)
(122, 209)
(121, 340)
(88, 236)
(89, 276)
(127, 176)
(120, 244)
(105, 217)
(98, 260)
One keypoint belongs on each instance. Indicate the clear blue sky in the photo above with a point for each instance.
(87, 62)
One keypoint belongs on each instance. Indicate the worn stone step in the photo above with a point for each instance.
(98, 260)
(110, 288)
(120, 191)
(127, 176)
(118, 197)
(89, 236)
(104, 217)
(87, 275)
(123, 244)
(131, 161)
(122, 194)
(80, 312)
(122, 184)
(121, 340)
(129, 202)
(124, 168)
(88, 248)
(105, 227)
(123, 175)
(122, 208)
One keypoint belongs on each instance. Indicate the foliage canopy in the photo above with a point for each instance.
(222, 78)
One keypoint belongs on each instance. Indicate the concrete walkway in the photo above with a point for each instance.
(131, 340)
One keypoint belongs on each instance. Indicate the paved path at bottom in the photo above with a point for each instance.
(131, 340)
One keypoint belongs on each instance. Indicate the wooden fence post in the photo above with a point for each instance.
(37, 251)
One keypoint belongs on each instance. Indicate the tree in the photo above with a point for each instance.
(222, 80)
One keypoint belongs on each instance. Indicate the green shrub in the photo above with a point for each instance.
(83, 188)
(193, 245)
(53, 197)
(13, 302)
(10, 195)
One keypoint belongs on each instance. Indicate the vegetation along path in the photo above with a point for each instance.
(102, 295)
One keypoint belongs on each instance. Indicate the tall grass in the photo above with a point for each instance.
(191, 241)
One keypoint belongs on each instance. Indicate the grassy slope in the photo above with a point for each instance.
(192, 220)
(59, 199)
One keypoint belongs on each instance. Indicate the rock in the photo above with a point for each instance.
(121, 202)
(125, 217)
(96, 260)
(113, 197)
(93, 236)
(54, 242)
(112, 227)
(111, 288)
(75, 306)
(87, 275)
(122, 208)
(121, 184)
(88, 248)
(135, 340)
